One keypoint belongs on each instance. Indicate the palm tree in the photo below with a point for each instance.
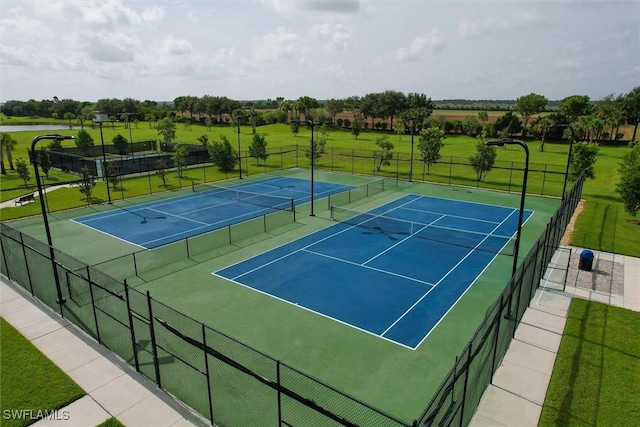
(286, 106)
(542, 125)
(69, 117)
(8, 144)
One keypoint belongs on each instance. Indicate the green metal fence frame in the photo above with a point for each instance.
(141, 330)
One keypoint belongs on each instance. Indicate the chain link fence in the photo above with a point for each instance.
(544, 179)
(233, 384)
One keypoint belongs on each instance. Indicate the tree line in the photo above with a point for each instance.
(389, 110)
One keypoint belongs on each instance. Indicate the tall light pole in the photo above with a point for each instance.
(413, 128)
(100, 118)
(573, 137)
(501, 143)
(127, 115)
(312, 154)
(239, 156)
(34, 160)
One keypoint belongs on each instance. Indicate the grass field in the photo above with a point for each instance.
(617, 234)
(596, 376)
(30, 381)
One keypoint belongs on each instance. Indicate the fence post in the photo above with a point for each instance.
(510, 178)
(279, 393)
(353, 160)
(466, 383)
(520, 284)
(4, 258)
(26, 264)
(206, 366)
(450, 168)
(154, 347)
(495, 344)
(544, 262)
(93, 305)
(135, 264)
(134, 345)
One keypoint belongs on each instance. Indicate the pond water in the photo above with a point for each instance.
(11, 128)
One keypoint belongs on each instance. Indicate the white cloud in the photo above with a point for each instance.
(110, 47)
(280, 45)
(288, 7)
(520, 20)
(571, 63)
(176, 47)
(339, 73)
(159, 50)
(31, 57)
(333, 36)
(420, 45)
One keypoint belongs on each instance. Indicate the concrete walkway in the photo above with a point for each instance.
(519, 386)
(12, 203)
(114, 388)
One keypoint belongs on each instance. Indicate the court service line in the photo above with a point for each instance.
(453, 216)
(403, 240)
(447, 274)
(293, 252)
(178, 216)
(107, 234)
(379, 270)
(465, 291)
(468, 202)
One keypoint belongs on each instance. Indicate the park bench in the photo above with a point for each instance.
(25, 199)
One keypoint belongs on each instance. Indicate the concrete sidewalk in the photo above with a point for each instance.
(519, 386)
(113, 387)
(12, 203)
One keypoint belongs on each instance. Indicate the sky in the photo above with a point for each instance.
(264, 49)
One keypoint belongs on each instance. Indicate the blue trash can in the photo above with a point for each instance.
(586, 260)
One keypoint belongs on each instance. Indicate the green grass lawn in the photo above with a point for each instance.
(30, 381)
(604, 225)
(596, 377)
(111, 422)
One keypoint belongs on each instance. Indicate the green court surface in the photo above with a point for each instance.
(395, 379)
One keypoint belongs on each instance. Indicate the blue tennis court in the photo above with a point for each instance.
(208, 208)
(393, 272)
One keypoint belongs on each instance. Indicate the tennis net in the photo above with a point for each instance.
(262, 200)
(396, 229)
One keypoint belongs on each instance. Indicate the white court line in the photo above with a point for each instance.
(470, 284)
(293, 252)
(448, 273)
(107, 234)
(403, 240)
(453, 216)
(390, 273)
(306, 249)
(315, 312)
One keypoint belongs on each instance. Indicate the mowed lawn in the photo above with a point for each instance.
(604, 224)
(29, 381)
(596, 377)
